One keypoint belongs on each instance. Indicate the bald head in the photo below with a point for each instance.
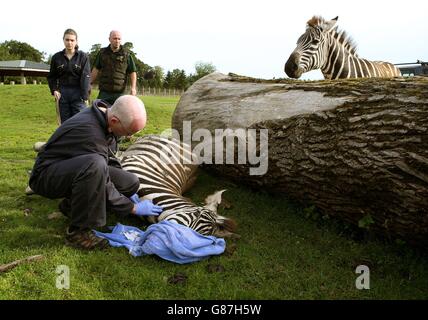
(127, 115)
(115, 39)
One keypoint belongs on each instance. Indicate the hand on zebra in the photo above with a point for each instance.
(135, 198)
(147, 208)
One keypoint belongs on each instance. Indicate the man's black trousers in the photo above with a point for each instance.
(91, 186)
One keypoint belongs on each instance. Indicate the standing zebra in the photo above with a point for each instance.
(323, 47)
(164, 175)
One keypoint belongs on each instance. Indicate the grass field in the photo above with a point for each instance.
(282, 253)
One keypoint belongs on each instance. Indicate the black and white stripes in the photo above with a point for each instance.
(323, 47)
(165, 171)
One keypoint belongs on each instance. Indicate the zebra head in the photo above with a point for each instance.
(312, 48)
(203, 219)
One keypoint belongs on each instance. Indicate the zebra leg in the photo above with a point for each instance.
(213, 200)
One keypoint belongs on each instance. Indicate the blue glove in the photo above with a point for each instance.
(135, 198)
(147, 208)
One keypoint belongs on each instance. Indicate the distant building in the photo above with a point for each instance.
(23, 68)
(419, 68)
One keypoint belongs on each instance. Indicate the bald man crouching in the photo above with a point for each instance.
(77, 164)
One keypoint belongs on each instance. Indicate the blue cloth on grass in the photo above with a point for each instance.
(169, 240)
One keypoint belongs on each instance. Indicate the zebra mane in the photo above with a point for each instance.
(315, 21)
(346, 40)
(340, 35)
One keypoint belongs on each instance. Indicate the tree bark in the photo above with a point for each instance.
(356, 149)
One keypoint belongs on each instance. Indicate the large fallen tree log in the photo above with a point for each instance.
(357, 149)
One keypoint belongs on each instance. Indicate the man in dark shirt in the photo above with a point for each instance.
(112, 66)
(69, 77)
(77, 163)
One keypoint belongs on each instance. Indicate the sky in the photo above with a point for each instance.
(247, 37)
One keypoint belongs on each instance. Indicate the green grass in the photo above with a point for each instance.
(281, 254)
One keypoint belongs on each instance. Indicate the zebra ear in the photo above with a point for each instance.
(328, 25)
(213, 200)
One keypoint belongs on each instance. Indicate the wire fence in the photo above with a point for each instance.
(147, 91)
(144, 91)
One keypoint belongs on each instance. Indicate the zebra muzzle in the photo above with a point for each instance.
(291, 67)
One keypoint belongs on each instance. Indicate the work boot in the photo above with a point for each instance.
(85, 239)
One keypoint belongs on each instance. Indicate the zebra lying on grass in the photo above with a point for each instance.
(323, 47)
(164, 176)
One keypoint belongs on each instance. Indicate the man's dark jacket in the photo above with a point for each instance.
(83, 134)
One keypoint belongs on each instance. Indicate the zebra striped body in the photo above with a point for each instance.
(323, 47)
(165, 172)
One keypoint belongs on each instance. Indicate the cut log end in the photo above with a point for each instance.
(355, 148)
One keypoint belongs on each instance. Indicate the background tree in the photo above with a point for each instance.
(94, 52)
(202, 69)
(15, 50)
(157, 77)
(129, 46)
(4, 53)
(145, 72)
(176, 79)
(167, 82)
(182, 81)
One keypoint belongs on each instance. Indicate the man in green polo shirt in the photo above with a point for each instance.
(113, 64)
